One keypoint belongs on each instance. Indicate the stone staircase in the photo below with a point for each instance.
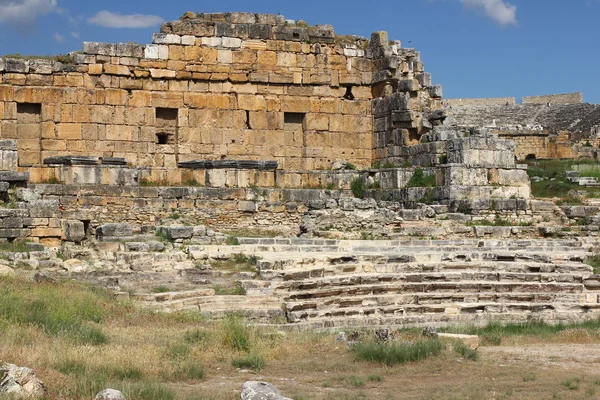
(429, 282)
(328, 283)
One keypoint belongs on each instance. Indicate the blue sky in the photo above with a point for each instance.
(475, 48)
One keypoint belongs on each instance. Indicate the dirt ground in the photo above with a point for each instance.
(530, 371)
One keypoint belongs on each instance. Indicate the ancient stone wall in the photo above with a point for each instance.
(485, 101)
(567, 98)
(214, 86)
(540, 130)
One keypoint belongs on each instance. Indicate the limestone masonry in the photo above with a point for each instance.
(378, 203)
(221, 86)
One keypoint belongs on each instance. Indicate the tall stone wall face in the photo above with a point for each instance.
(486, 101)
(221, 86)
(406, 104)
(567, 98)
(236, 86)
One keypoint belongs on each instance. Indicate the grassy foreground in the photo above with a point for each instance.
(79, 341)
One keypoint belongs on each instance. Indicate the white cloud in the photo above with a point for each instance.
(75, 35)
(58, 37)
(498, 10)
(24, 11)
(108, 19)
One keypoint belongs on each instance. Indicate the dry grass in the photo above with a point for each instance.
(181, 356)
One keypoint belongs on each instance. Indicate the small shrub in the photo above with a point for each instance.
(397, 353)
(419, 179)
(236, 332)
(179, 351)
(443, 159)
(232, 241)
(351, 167)
(14, 247)
(572, 383)
(189, 371)
(160, 289)
(165, 236)
(529, 377)
(594, 262)
(375, 378)
(358, 188)
(149, 391)
(354, 381)
(237, 290)
(255, 362)
(195, 336)
(465, 351)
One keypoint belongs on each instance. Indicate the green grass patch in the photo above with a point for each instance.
(236, 334)
(358, 188)
(255, 362)
(465, 351)
(420, 179)
(160, 289)
(530, 328)
(14, 247)
(391, 353)
(572, 383)
(594, 262)
(195, 336)
(237, 290)
(65, 309)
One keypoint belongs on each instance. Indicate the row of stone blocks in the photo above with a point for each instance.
(461, 282)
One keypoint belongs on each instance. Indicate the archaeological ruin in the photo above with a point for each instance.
(329, 167)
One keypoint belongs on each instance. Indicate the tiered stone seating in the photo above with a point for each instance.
(433, 282)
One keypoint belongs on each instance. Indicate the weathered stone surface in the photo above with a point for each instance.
(74, 231)
(254, 390)
(114, 230)
(20, 383)
(110, 394)
(176, 232)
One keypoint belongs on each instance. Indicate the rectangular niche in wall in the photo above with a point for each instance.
(29, 113)
(293, 121)
(166, 125)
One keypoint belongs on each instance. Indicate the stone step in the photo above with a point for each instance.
(435, 299)
(171, 296)
(437, 271)
(322, 290)
(212, 302)
(551, 313)
(130, 256)
(282, 261)
(425, 277)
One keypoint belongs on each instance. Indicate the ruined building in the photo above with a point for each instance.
(237, 86)
(552, 126)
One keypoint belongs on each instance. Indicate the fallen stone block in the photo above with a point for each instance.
(114, 230)
(254, 390)
(110, 394)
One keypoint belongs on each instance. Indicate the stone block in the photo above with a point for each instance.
(44, 209)
(436, 91)
(16, 66)
(73, 231)
(165, 38)
(176, 232)
(241, 18)
(114, 230)
(232, 43)
(247, 206)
